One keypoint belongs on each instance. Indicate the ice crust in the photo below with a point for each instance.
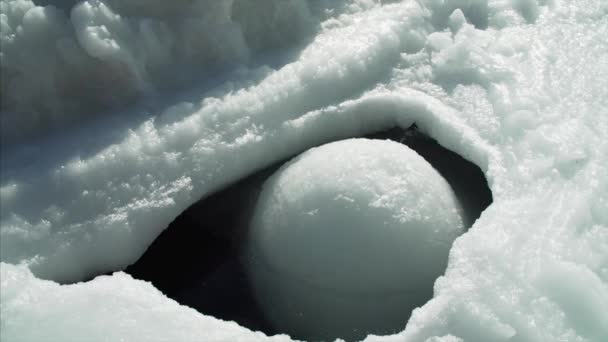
(518, 87)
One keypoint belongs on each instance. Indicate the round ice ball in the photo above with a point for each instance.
(348, 238)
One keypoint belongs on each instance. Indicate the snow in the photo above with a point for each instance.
(136, 48)
(119, 301)
(330, 228)
(520, 88)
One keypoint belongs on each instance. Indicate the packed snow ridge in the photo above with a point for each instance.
(520, 88)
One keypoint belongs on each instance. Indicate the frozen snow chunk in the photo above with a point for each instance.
(349, 237)
(440, 40)
(456, 20)
(528, 9)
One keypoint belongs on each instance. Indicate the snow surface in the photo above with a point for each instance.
(518, 87)
(349, 237)
(136, 48)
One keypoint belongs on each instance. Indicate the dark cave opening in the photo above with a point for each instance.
(197, 259)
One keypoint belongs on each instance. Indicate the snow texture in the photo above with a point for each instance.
(518, 87)
(351, 234)
(135, 48)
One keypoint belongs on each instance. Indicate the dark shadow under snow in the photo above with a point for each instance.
(197, 259)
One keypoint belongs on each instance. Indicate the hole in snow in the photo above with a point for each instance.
(203, 259)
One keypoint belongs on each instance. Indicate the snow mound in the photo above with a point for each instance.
(520, 88)
(58, 61)
(119, 301)
(349, 238)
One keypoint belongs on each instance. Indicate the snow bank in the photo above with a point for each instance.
(59, 62)
(119, 301)
(520, 88)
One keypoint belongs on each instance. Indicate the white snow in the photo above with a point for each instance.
(121, 304)
(519, 87)
(58, 62)
(332, 228)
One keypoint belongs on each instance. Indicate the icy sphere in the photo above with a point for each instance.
(349, 237)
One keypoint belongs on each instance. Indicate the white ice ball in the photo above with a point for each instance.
(347, 238)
